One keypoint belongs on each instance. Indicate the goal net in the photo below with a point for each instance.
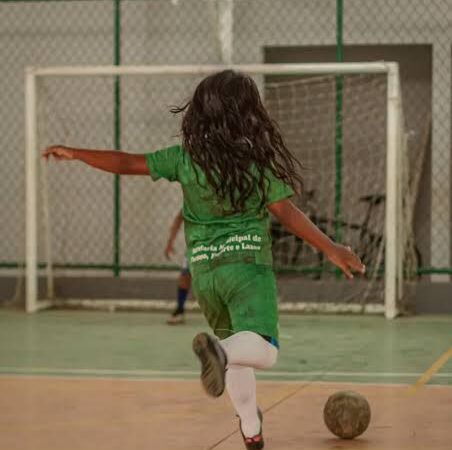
(87, 229)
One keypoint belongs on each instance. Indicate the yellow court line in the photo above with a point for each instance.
(428, 374)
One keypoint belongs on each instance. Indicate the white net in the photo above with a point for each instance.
(337, 128)
(335, 125)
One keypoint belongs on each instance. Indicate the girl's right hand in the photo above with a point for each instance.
(169, 249)
(59, 152)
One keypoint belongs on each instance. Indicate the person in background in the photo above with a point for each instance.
(177, 317)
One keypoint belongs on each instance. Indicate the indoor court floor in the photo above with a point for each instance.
(79, 380)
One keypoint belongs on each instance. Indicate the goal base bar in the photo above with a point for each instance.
(39, 305)
(168, 305)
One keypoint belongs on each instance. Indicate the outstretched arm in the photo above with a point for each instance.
(108, 160)
(299, 224)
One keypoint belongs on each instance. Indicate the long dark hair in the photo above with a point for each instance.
(228, 133)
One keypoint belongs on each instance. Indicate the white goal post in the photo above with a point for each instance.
(393, 228)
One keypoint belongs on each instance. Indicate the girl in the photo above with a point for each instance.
(234, 168)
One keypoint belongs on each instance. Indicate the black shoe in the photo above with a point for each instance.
(255, 442)
(213, 363)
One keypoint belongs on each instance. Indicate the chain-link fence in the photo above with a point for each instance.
(415, 33)
(422, 31)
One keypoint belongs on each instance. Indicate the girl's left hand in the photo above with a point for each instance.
(344, 258)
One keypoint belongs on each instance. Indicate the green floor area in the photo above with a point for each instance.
(339, 348)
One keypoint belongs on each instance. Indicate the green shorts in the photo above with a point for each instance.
(238, 297)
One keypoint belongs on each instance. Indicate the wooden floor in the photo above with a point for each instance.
(49, 413)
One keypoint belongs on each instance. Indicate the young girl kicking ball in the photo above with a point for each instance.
(234, 168)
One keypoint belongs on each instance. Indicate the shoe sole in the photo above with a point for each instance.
(213, 369)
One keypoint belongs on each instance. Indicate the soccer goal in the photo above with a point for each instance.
(343, 121)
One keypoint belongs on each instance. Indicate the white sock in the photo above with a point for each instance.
(249, 349)
(246, 350)
(241, 387)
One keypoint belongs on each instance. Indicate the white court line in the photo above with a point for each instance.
(308, 382)
(182, 373)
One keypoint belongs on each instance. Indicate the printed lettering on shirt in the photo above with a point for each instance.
(235, 243)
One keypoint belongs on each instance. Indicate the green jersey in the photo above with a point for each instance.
(215, 236)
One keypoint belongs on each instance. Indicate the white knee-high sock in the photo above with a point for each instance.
(241, 387)
(246, 350)
(249, 349)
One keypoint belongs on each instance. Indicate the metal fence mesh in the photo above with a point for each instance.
(427, 106)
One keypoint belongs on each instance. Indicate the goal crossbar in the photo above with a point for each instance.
(263, 69)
